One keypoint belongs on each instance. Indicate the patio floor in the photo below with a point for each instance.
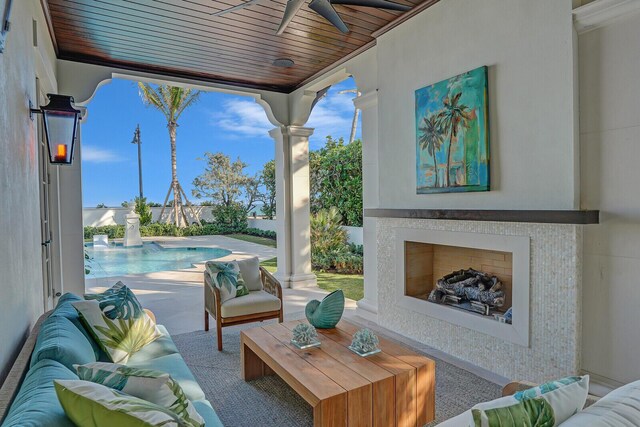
(176, 297)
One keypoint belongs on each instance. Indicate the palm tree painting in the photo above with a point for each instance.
(452, 135)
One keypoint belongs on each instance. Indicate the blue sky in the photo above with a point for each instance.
(234, 125)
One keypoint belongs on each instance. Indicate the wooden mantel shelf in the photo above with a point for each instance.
(539, 216)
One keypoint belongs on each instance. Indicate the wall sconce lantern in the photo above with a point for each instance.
(60, 123)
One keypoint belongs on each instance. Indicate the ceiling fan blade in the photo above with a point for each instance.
(381, 4)
(324, 9)
(235, 8)
(293, 6)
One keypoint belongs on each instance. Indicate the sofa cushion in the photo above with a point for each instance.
(89, 404)
(250, 270)
(620, 408)
(61, 340)
(174, 365)
(65, 309)
(160, 347)
(36, 404)
(255, 302)
(119, 338)
(207, 413)
(148, 384)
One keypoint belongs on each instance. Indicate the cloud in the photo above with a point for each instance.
(93, 154)
(242, 117)
(332, 115)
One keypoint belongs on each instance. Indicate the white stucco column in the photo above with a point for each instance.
(292, 206)
(368, 104)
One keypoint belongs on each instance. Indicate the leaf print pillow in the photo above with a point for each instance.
(117, 302)
(153, 386)
(119, 338)
(227, 278)
(89, 404)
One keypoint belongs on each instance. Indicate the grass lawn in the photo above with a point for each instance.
(351, 284)
(254, 239)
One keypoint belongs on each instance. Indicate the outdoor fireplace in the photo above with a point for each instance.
(466, 279)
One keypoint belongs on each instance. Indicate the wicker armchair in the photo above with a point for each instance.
(228, 315)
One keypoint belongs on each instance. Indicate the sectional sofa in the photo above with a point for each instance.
(59, 341)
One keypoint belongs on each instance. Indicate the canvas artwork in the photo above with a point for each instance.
(452, 135)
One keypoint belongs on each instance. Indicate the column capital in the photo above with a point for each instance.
(366, 100)
(301, 131)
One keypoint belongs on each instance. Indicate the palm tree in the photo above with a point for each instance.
(431, 139)
(171, 101)
(452, 119)
(356, 113)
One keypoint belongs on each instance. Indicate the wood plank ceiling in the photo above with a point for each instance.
(180, 38)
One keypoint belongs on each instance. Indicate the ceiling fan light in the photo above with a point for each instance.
(283, 62)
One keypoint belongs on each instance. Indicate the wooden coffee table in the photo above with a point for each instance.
(393, 388)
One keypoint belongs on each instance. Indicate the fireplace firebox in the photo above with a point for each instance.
(472, 279)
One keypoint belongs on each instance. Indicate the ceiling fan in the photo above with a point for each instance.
(323, 8)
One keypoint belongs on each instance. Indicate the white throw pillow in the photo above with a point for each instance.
(620, 408)
(551, 403)
(153, 386)
(119, 338)
(250, 270)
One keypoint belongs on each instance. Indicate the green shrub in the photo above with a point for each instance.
(112, 231)
(268, 234)
(142, 209)
(329, 248)
(230, 218)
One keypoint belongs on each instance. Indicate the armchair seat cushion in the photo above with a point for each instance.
(255, 302)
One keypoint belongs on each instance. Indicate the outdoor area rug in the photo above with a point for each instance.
(269, 401)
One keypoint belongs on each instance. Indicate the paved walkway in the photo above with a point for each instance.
(177, 298)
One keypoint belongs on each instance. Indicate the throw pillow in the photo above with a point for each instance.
(117, 302)
(89, 404)
(119, 338)
(549, 404)
(154, 386)
(227, 278)
(250, 271)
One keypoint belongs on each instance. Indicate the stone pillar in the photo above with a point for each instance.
(368, 105)
(292, 206)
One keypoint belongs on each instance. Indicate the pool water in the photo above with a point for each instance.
(119, 261)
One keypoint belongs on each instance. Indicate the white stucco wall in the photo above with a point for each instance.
(527, 46)
(21, 287)
(610, 149)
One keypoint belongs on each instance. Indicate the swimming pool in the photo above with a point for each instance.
(119, 261)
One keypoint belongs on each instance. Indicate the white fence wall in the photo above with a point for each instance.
(96, 217)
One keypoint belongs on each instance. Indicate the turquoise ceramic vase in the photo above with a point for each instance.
(326, 314)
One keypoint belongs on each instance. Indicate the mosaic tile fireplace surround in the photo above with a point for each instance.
(541, 266)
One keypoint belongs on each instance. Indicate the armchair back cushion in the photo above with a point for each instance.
(250, 270)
